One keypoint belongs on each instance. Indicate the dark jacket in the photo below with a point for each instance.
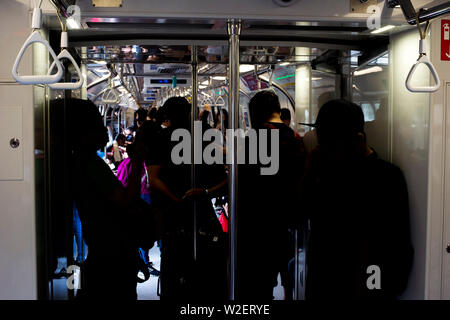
(359, 217)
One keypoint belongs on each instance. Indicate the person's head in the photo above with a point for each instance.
(129, 134)
(161, 117)
(285, 116)
(141, 116)
(222, 114)
(223, 202)
(177, 110)
(151, 115)
(83, 124)
(204, 117)
(340, 129)
(130, 130)
(120, 138)
(262, 107)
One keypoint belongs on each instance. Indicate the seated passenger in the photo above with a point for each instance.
(358, 208)
(267, 204)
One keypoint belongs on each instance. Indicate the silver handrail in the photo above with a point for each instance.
(234, 30)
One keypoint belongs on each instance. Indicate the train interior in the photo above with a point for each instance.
(130, 60)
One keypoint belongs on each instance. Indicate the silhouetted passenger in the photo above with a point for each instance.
(267, 204)
(161, 118)
(222, 114)
(141, 116)
(358, 209)
(310, 140)
(129, 134)
(285, 116)
(204, 118)
(181, 275)
(105, 207)
(151, 114)
(123, 173)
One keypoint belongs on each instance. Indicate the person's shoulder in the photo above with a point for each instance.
(164, 134)
(282, 127)
(387, 168)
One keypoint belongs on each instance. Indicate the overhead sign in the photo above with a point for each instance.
(445, 40)
(252, 82)
(107, 3)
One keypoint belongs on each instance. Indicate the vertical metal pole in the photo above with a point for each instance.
(194, 116)
(118, 119)
(105, 123)
(84, 74)
(296, 266)
(222, 123)
(234, 30)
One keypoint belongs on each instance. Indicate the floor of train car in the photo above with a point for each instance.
(146, 290)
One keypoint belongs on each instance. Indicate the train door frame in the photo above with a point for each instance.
(438, 238)
(445, 281)
(233, 109)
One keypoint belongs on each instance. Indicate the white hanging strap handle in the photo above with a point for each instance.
(220, 102)
(66, 55)
(106, 97)
(206, 101)
(423, 59)
(36, 37)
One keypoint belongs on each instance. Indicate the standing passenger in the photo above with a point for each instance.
(181, 275)
(358, 208)
(285, 116)
(267, 204)
(102, 203)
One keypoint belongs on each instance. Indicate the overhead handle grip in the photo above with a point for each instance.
(423, 60)
(36, 37)
(106, 97)
(220, 102)
(67, 85)
(206, 101)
